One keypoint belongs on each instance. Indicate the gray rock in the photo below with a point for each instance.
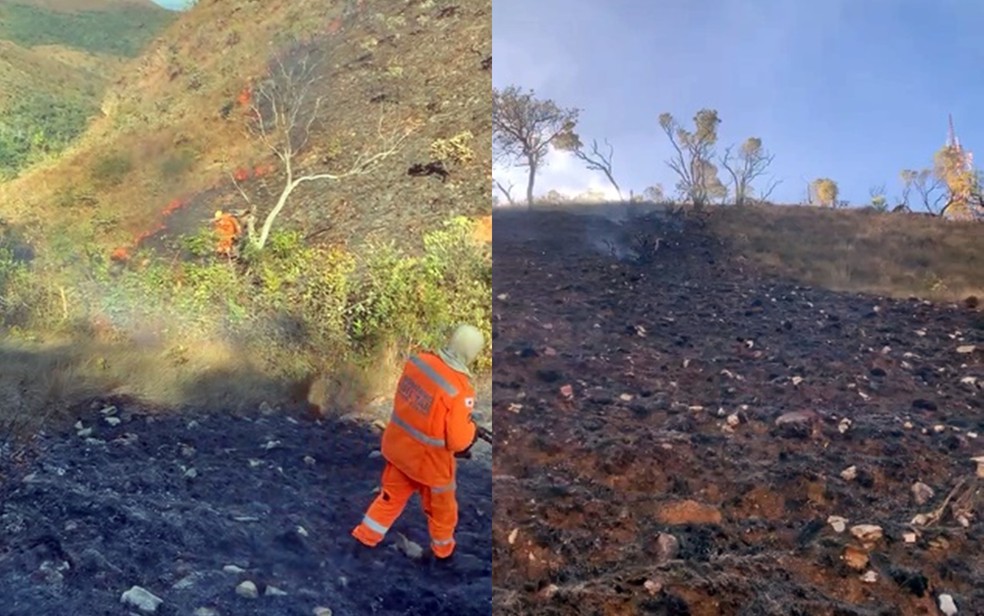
(248, 590)
(142, 599)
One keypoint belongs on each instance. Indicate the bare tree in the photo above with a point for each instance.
(524, 128)
(697, 175)
(506, 191)
(748, 165)
(596, 160)
(284, 111)
(930, 189)
(878, 200)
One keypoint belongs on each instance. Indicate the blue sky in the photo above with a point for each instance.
(854, 90)
(175, 5)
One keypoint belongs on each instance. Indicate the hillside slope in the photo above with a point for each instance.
(76, 47)
(173, 125)
(678, 431)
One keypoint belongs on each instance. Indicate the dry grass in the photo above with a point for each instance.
(888, 254)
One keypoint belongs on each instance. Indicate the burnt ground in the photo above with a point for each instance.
(663, 484)
(169, 502)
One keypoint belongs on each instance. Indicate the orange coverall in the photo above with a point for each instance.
(431, 421)
(228, 229)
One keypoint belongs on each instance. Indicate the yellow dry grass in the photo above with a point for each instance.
(896, 255)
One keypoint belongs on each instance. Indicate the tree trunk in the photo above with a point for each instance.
(529, 185)
(272, 216)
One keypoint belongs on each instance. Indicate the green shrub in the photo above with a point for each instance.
(177, 164)
(112, 169)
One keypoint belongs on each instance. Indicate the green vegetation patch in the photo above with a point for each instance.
(122, 32)
(39, 125)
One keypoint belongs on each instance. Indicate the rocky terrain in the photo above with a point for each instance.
(679, 434)
(135, 510)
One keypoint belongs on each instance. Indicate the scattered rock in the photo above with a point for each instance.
(113, 421)
(273, 591)
(979, 460)
(966, 348)
(867, 533)
(653, 587)
(870, 577)
(837, 523)
(247, 590)
(512, 535)
(921, 493)
(689, 512)
(910, 536)
(142, 599)
(309, 460)
(855, 557)
(567, 391)
(322, 611)
(947, 605)
(844, 425)
(205, 611)
(850, 473)
(233, 569)
(667, 547)
(411, 549)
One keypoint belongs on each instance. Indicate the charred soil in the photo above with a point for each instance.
(641, 464)
(189, 506)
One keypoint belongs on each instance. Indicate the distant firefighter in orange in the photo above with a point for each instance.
(228, 231)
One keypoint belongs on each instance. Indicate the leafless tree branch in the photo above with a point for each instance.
(596, 160)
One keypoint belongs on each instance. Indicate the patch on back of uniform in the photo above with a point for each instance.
(470, 402)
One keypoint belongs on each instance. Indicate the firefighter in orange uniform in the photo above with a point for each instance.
(431, 425)
(228, 230)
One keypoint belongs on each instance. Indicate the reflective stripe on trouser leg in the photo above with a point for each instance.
(441, 508)
(396, 490)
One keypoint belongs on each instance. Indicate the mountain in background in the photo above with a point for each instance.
(57, 57)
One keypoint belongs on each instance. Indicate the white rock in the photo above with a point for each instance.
(870, 577)
(837, 523)
(273, 591)
(84, 433)
(947, 606)
(113, 421)
(969, 380)
(734, 420)
(797, 380)
(920, 519)
(142, 599)
(971, 435)
(191, 473)
(205, 611)
(309, 460)
(867, 533)
(922, 493)
(850, 473)
(322, 611)
(78, 425)
(980, 465)
(512, 536)
(410, 548)
(248, 590)
(109, 410)
(302, 531)
(844, 425)
(908, 425)
(233, 569)
(966, 348)
(910, 536)
(939, 428)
